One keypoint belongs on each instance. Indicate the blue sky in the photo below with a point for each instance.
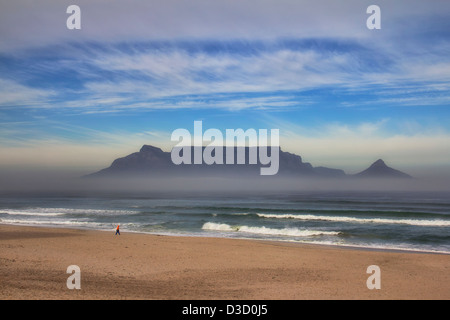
(341, 95)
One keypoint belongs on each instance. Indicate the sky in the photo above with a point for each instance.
(342, 95)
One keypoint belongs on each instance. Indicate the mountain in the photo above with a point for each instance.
(379, 169)
(151, 160)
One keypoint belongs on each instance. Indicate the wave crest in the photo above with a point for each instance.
(293, 232)
(413, 222)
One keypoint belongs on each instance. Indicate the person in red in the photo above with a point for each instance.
(117, 230)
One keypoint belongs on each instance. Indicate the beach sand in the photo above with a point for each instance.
(34, 260)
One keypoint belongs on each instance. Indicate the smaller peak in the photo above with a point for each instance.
(379, 163)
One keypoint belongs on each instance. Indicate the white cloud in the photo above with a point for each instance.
(139, 46)
(143, 77)
(16, 94)
(157, 74)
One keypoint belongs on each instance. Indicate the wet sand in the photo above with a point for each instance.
(34, 261)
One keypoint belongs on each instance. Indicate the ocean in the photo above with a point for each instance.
(391, 221)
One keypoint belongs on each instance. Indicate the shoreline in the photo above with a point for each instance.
(33, 263)
(300, 243)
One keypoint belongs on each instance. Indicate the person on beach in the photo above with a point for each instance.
(117, 230)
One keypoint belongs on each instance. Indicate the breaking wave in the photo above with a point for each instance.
(293, 232)
(413, 222)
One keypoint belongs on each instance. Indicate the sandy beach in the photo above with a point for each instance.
(34, 260)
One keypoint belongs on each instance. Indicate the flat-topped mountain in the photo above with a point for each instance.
(151, 160)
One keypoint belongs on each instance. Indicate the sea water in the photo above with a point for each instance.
(399, 221)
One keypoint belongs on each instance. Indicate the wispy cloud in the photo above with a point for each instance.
(118, 78)
(13, 93)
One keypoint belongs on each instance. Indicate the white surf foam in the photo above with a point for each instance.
(62, 211)
(293, 232)
(413, 222)
(51, 222)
